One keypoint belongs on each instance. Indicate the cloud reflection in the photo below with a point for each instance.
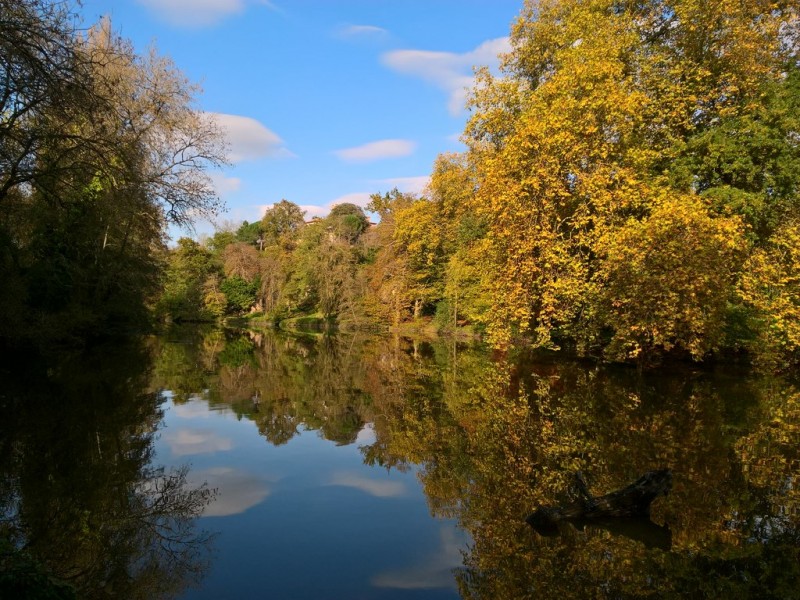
(374, 487)
(186, 441)
(236, 490)
(193, 409)
(198, 408)
(367, 435)
(433, 571)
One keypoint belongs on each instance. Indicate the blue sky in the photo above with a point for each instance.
(324, 101)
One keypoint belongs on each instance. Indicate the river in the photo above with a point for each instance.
(210, 463)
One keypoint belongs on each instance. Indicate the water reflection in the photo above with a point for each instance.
(83, 510)
(313, 444)
(237, 490)
(495, 436)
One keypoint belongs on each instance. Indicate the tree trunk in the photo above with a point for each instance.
(631, 501)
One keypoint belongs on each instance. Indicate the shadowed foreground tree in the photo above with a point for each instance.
(99, 150)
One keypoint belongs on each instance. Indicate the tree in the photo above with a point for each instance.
(241, 260)
(282, 222)
(604, 110)
(347, 221)
(748, 164)
(418, 236)
(250, 233)
(387, 274)
(46, 83)
(240, 293)
(186, 287)
(666, 281)
(770, 288)
(99, 150)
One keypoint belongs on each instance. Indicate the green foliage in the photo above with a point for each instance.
(748, 164)
(221, 240)
(347, 221)
(236, 353)
(282, 222)
(186, 286)
(249, 233)
(100, 149)
(240, 293)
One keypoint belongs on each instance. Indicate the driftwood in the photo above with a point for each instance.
(631, 501)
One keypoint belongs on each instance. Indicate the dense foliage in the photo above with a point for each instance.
(99, 149)
(634, 166)
(629, 190)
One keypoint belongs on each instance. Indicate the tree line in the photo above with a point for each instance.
(629, 190)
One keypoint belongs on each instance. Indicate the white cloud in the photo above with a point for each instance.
(351, 31)
(373, 487)
(408, 185)
(196, 408)
(313, 210)
(366, 435)
(379, 150)
(236, 490)
(200, 13)
(248, 139)
(449, 71)
(224, 185)
(186, 442)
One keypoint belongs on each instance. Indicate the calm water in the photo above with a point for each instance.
(222, 464)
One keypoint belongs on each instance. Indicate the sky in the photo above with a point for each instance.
(322, 101)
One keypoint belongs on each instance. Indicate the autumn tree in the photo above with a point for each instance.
(387, 273)
(609, 121)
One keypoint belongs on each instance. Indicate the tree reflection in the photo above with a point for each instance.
(81, 502)
(516, 439)
(496, 436)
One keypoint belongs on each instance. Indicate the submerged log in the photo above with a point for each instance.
(631, 501)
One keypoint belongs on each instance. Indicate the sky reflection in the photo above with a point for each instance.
(373, 487)
(237, 490)
(190, 441)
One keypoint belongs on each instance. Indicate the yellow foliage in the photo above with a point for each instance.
(665, 281)
(571, 152)
(770, 285)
